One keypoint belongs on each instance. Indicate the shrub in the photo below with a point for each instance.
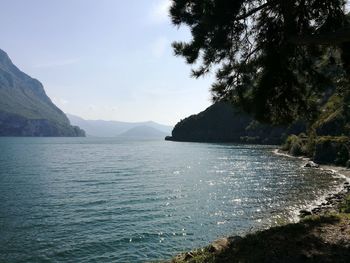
(332, 150)
(288, 143)
(345, 206)
(295, 145)
(296, 149)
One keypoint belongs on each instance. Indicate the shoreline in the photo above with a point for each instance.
(330, 201)
(323, 215)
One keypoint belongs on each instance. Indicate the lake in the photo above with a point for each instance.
(109, 200)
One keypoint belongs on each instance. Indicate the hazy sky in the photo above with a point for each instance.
(104, 59)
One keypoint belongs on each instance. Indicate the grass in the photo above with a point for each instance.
(313, 239)
(345, 206)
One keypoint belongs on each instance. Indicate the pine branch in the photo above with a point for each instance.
(333, 38)
(255, 10)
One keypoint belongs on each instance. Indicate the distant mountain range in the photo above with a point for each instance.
(101, 128)
(222, 122)
(145, 132)
(25, 109)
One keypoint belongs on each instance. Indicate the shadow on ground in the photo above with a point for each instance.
(315, 239)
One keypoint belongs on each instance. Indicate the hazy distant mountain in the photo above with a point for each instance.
(25, 109)
(102, 128)
(143, 132)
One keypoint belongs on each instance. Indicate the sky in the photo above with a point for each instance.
(104, 59)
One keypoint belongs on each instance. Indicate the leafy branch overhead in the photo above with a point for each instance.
(275, 58)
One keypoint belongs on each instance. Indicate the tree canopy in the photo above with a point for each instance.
(274, 58)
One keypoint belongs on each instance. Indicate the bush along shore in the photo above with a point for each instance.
(321, 235)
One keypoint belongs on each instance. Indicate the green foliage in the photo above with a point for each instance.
(327, 140)
(332, 139)
(309, 147)
(345, 206)
(222, 122)
(250, 139)
(287, 145)
(278, 59)
(295, 145)
(266, 60)
(333, 118)
(24, 96)
(323, 149)
(296, 149)
(332, 150)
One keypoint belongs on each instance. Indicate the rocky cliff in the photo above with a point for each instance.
(25, 109)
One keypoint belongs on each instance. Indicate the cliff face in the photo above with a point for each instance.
(221, 122)
(25, 109)
(16, 125)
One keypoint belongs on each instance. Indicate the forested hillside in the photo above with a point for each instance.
(222, 122)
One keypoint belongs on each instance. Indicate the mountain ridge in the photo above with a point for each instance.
(103, 128)
(143, 132)
(25, 109)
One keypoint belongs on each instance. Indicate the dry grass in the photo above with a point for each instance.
(314, 239)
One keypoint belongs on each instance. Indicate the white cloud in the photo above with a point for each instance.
(159, 46)
(160, 11)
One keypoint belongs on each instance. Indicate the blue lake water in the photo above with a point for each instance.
(108, 200)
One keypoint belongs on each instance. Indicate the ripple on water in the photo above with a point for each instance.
(103, 200)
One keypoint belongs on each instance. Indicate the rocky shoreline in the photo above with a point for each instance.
(331, 205)
(321, 224)
(332, 201)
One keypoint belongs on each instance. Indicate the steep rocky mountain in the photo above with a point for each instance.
(25, 109)
(221, 122)
(101, 128)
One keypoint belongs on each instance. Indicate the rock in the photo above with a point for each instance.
(304, 213)
(311, 164)
(316, 210)
(338, 197)
(220, 245)
(16, 125)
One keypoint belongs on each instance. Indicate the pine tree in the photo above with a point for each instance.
(272, 57)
